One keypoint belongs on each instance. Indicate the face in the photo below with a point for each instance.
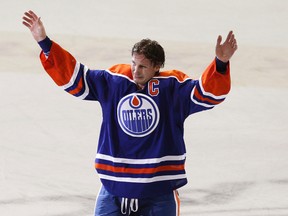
(142, 69)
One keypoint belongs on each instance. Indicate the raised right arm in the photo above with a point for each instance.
(61, 66)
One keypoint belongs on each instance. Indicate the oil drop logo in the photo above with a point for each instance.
(138, 115)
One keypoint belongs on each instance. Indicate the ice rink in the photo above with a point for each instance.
(237, 153)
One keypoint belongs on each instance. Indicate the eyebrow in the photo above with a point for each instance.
(142, 65)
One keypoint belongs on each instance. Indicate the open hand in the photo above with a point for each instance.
(226, 50)
(33, 22)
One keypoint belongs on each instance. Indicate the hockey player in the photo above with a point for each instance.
(141, 152)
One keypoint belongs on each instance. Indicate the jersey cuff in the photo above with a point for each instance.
(45, 45)
(221, 67)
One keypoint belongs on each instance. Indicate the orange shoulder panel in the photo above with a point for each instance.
(180, 76)
(123, 69)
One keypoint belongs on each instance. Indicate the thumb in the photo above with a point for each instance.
(219, 39)
(39, 20)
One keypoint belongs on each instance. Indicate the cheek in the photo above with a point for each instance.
(150, 74)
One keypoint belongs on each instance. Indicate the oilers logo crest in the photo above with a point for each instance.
(138, 115)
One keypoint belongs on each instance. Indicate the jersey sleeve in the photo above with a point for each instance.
(211, 89)
(68, 73)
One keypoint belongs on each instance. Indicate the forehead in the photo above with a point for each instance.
(140, 59)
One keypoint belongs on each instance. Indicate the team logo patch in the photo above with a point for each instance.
(138, 115)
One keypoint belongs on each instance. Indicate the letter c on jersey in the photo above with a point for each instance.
(152, 87)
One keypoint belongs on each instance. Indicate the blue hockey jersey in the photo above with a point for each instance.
(141, 150)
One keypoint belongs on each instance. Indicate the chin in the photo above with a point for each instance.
(138, 81)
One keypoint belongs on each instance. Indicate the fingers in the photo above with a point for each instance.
(229, 36)
(27, 22)
(234, 44)
(29, 18)
(31, 15)
(231, 40)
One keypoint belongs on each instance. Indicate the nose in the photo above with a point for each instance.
(135, 69)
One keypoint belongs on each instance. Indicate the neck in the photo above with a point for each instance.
(140, 87)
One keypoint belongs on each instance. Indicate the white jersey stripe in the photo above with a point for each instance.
(141, 161)
(199, 103)
(86, 92)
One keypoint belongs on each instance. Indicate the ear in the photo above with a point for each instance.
(157, 67)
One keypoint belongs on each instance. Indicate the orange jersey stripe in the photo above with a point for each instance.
(203, 99)
(78, 88)
(177, 200)
(139, 170)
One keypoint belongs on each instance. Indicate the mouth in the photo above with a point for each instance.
(138, 80)
(137, 76)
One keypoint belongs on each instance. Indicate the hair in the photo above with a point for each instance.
(152, 50)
